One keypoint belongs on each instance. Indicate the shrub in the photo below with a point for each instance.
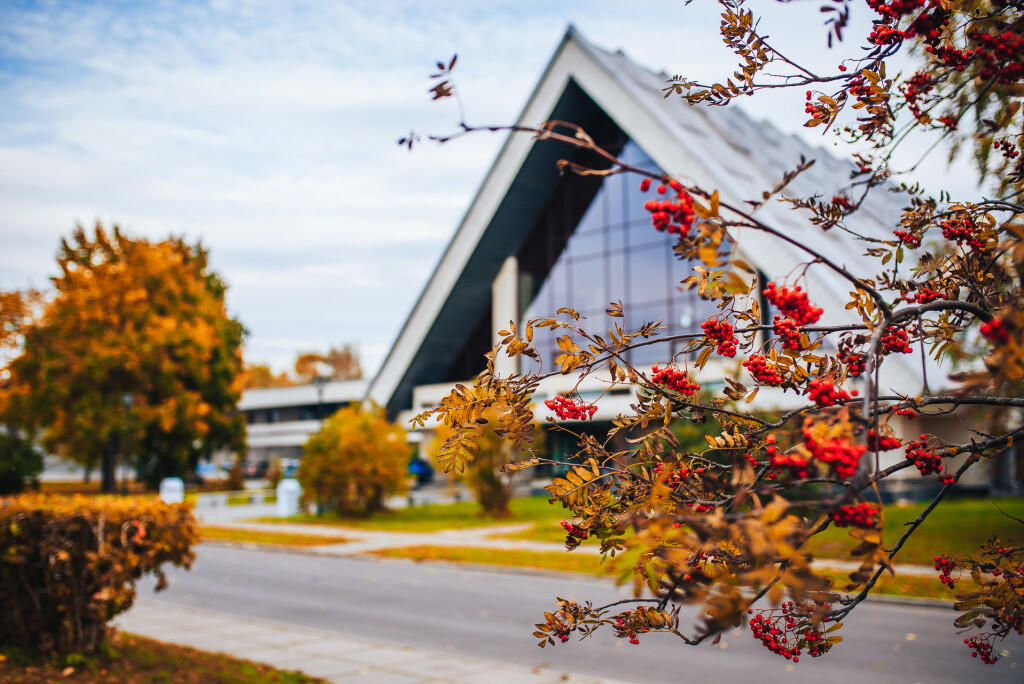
(355, 461)
(491, 485)
(19, 461)
(70, 564)
(236, 477)
(274, 474)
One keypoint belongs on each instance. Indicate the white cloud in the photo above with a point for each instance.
(268, 130)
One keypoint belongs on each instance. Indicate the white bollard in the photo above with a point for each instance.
(288, 493)
(172, 490)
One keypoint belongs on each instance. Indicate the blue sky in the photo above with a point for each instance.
(267, 130)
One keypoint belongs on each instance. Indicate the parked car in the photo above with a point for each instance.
(256, 469)
(209, 472)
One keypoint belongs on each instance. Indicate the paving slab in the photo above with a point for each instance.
(320, 653)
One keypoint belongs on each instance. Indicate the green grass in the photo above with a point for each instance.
(131, 659)
(234, 534)
(957, 526)
(436, 517)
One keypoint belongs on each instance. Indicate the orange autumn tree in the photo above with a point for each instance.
(133, 354)
(356, 460)
(725, 527)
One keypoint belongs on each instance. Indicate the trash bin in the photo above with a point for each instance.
(288, 493)
(172, 490)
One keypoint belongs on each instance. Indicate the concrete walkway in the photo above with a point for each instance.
(320, 653)
(358, 541)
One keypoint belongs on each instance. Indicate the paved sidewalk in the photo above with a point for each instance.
(320, 653)
(359, 541)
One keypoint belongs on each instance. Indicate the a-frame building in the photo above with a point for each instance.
(534, 239)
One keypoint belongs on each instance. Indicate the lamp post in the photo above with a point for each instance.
(319, 381)
(127, 399)
(322, 375)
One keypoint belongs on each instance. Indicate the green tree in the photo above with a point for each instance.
(355, 461)
(134, 353)
(486, 475)
(20, 464)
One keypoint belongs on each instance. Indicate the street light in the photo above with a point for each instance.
(321, 376)
(127, 399)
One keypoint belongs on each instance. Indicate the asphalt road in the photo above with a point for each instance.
(490, 615)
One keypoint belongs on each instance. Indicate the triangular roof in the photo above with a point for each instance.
(720, 147)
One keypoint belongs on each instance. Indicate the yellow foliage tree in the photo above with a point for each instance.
(486, 475)
(135, 343)
(356, 460)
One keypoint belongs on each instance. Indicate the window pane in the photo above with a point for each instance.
(648, 275)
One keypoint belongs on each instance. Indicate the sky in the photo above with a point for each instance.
(267, 131)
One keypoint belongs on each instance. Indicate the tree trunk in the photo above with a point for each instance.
(109, 485)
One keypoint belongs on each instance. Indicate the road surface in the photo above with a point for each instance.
(490, 615)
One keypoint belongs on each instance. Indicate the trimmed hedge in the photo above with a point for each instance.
(69, 564)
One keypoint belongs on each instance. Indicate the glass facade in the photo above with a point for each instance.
(615, 254)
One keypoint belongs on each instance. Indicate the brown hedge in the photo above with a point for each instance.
(70, 564)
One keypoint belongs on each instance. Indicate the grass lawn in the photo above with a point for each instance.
(211, 533)
(130, 659)
(956, 526)
(922, 587)
(435, 517)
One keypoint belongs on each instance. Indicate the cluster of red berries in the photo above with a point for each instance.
(568, 409)
(982, 648)
(896, 341)
(925, 461)
(672, 216)
(788, 331)
(1008, 149)
(916, 88)
(799, 466)
(883, 443)
(793, 303)
(906, 412)
(842, 201)
(926, 294)
(949, 121)
(1000, 56)
(947, 478)
(961, 230)
(841, 457)
(894, 9)
(909, 239)
(854, 362)
(631, 623)
(945, 566)
(862, 516)
(674, 379)
(783, 635)
(762, 372)
(951, 56)
(995, 331)
(721, 331)
(574, 531)
(816, 111)
(824, 393)
(929, 25)
(882, 34)
(560, 630)
(675, 478)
